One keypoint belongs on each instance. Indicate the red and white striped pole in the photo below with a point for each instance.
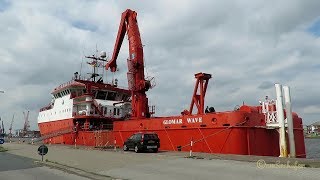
(115, 144)
(75, 142)
(191, 144)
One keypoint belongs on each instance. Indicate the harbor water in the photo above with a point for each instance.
(313, 148)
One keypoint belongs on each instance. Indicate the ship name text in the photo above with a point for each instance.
(194, 120)
(172, 121)
(179, 121)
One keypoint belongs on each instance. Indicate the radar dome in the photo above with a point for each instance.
(103, 54)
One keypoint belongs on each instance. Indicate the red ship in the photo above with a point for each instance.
(91, 112)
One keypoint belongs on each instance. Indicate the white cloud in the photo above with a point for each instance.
(312, 110)
(247, 46)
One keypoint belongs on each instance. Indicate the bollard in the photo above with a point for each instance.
(32, 141)
(50, 141)
(191, 144)
(75, 143)
(19, 141)
(115, 144)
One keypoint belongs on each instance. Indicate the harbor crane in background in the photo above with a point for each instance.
(1, 128)
(10, 128)
(26, 125)
(137, 83)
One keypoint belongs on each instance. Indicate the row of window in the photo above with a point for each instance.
(54, 124)
(116, 111)
(62, 93)
(77, 92)
(63, 111)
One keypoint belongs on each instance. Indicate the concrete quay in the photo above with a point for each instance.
(110, 164)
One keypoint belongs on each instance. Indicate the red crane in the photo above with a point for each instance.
(201, 87)
(136, 80)
(199, 94)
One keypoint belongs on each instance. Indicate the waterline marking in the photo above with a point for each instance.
(261, 164)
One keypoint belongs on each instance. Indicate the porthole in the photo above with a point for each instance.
(214, 120)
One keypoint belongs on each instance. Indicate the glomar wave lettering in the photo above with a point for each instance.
(172, 121)
(194, 120)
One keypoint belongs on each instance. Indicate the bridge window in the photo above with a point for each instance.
(101, 95)
(114, 111)
(111, 96)
(118, 112)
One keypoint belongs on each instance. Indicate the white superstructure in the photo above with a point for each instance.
(71, 101)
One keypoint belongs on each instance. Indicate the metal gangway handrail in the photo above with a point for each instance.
(55, 134)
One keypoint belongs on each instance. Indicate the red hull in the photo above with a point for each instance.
(236, 132)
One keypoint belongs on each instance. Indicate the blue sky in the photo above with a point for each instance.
(315, 28)
(84, 26)
(4, 4)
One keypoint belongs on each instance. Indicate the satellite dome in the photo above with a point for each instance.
(103, 54)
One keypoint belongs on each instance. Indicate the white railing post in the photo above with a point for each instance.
(280, 117)
(287, 99)
(191, 144)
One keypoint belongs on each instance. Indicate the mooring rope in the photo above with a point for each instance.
(229, 127)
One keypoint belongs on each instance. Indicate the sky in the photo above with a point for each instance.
(246, 45)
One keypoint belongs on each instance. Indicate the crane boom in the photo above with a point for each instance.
(136, 80)
(26, 123)
(2, 128)
(10, 128)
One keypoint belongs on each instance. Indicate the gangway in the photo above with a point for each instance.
(54, 134)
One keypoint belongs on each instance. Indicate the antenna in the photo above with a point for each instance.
(81, 65)
(96, 64)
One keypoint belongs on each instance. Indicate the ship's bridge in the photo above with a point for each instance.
(73, 101)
